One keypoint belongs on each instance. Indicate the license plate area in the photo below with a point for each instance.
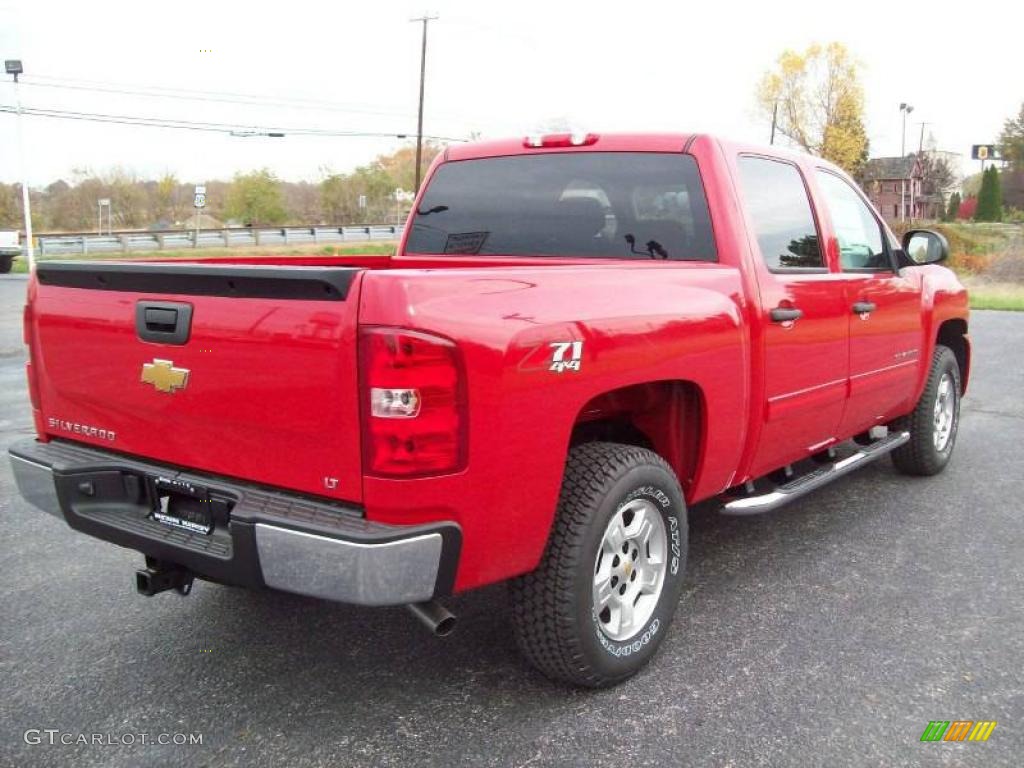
(188, 506)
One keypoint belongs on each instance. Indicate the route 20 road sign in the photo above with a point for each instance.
(199, 201)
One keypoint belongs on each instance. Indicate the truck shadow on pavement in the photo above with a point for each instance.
(290, 642)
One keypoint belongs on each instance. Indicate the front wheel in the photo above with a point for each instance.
(934, 421)
(599, 604)
(6, 262)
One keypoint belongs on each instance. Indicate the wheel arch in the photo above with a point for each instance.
(952, 333)
(667, 417)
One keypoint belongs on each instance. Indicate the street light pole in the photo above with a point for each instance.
(14, 68)
(425, 19)
(906, 109)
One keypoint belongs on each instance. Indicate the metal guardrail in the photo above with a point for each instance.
(126, 242)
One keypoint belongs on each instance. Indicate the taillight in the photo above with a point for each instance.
(413, 403)
(28, 336)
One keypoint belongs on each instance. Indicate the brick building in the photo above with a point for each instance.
(882, 180)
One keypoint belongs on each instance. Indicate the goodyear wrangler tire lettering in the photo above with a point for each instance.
(620, 525)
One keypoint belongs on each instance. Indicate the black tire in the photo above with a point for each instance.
(6, 262)
(556, 624)
(921, 456)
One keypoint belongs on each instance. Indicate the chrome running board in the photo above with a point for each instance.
(783, 494)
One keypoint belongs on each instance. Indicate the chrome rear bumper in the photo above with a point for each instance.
(273, 539)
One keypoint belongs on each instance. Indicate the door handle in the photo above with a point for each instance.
(786, 314)
(864, 307)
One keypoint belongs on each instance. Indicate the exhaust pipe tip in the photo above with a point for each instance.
(434, 616)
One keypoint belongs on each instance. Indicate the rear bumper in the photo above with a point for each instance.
(264, 538)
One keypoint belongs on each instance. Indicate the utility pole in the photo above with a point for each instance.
(905, 109)
(775, 118)
(424, 19)
(920, 152)
(14, 68)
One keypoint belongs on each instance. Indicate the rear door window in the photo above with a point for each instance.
(780, 210)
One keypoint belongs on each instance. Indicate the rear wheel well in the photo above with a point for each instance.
(609, 431)
(951, 334)
(663, 416)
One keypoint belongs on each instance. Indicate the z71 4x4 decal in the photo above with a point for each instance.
(567, 356)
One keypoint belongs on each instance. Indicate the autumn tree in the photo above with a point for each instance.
(340, 193)
(255, 198)
(127, 198)
(937, 174)
(819, 102)
(400, 166)
(302, 200)
(10, 206)
(169, 200)
(967, 208)
(1011, 141)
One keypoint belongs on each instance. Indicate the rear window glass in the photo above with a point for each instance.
(620, 205)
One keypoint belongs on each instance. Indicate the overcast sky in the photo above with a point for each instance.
(496, 68)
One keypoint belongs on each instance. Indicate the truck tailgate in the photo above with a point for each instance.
(260, 385)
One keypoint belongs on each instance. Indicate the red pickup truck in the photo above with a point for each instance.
(578, 337)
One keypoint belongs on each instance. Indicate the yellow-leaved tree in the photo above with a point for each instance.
(820, 103)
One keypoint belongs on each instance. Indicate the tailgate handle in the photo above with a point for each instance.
(165, 322)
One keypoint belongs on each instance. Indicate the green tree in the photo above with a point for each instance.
(1011, 141)
(990, 198)
(953, 207)
(255, 198)
(819, 102)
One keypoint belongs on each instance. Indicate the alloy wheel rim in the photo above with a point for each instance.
(944, 413)
(629, 570)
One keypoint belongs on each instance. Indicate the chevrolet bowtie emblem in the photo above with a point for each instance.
(164, 376)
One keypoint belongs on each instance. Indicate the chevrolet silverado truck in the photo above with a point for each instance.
(577, 338)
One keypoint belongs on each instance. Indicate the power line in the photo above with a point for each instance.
(155, 122)
(206, 96)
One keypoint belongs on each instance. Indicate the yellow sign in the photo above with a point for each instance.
(164, 376)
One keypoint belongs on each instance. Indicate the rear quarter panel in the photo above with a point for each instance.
(638, 321)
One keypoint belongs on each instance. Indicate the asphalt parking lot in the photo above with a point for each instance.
(829, 633)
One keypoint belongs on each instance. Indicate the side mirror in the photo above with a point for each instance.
(923, 246)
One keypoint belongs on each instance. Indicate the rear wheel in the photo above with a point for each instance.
(934, 421)
(598, 605)
(6, 262)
